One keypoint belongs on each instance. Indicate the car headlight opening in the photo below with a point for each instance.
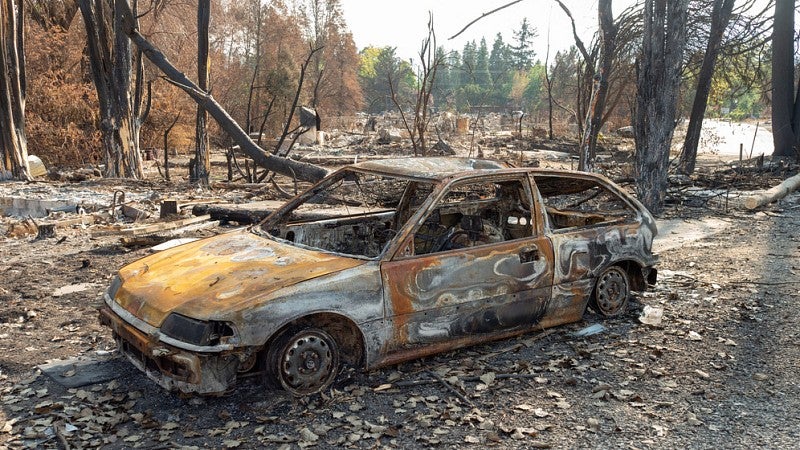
(197, 332)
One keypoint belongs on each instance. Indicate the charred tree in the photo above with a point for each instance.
(200, 168)
(658, 80)
(112, 63)
(287, 130)
(720, 16)
(430, 62)
(251, 92)
(585, 79)
(13, 142)
(589, 137)
(596, 81)
(549, 86)
(283, 166)
(785, 102)
(52, 13)
(608, 33)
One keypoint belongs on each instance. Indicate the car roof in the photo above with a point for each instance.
(429, 168)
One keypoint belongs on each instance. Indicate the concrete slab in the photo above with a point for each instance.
(674, 233)
(82, 371)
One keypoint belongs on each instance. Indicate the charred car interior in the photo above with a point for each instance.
(379, 263)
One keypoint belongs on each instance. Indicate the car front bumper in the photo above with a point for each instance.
(173, 368)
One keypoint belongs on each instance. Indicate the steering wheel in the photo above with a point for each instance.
(448, 243)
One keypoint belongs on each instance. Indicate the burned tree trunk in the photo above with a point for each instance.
(663, 40)
(549, 85)
(785, 101)
(283, 166)
(587, 151)
(720, 15)
(200, 168)
(53, 13)
(595, 82)
(13, 142)
(112, 65)
(597, 102)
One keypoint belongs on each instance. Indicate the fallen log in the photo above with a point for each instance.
(774, 194)
(254, 212)
(283, 166)
(242, 214)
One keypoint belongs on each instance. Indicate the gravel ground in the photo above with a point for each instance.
(719, 371)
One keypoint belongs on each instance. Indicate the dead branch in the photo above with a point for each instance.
(450, 388)
(280, 190)
(486, 14)
(578, 41)
(303, 69)
(303, 171)
(166, 145)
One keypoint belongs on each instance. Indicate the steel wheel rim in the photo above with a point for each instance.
(612, 291)
(308, 363)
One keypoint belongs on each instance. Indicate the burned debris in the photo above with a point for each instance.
(379, 263)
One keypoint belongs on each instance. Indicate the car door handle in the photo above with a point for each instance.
(528, 254)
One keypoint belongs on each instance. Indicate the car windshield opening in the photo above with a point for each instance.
(353, 213)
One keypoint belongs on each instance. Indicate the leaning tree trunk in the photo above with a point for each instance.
(283, 166)
(663, 41)
(13, 142)
(201, 165)
(111, 58)
(720, 16)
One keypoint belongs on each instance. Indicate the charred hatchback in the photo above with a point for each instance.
(378, 263)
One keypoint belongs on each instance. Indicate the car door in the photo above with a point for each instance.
(473, 265)
(591, 227)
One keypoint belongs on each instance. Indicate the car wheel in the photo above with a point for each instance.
(611, 292)
(303, 361)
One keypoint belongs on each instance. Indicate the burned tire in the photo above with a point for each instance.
(303, 360)
(611, 292)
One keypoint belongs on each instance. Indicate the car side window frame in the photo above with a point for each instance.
(404, 245)
(599, 184)
(541, 223)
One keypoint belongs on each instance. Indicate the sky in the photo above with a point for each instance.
(403, 23)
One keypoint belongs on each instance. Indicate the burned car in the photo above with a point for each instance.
(379, 263)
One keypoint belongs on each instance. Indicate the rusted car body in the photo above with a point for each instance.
(379, 263)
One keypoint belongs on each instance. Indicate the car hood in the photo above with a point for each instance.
(218, 275)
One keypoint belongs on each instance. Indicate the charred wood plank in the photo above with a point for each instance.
(232, 213)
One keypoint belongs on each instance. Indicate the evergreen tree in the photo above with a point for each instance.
(522, 53)
(483, 77)
(499, 60)
(445, 82)
(535, 96)
(378, 66)
(501, 70)
(468, 63)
